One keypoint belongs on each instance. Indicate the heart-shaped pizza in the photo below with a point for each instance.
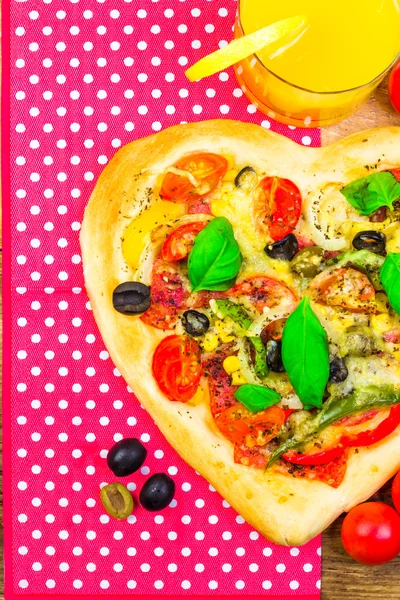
(248, 290)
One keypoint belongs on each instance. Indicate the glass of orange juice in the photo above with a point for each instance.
(329, 68)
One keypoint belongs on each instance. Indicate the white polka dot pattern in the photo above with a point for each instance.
(87, 77)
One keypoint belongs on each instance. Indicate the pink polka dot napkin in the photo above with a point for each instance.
(81, 78)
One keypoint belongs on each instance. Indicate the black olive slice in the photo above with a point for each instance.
(246, 178)
(195, 323)
(274, 356)
(117, 500)
(285, 249)
(374, 241)
(131, 298)
(338, 371)
(157, 492)
(126, 457)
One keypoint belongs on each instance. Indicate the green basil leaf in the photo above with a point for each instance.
(390, 277)
(305, 354)
(372, 192)
(256, 397)
(215, 258)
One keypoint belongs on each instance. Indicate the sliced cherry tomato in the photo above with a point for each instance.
(168, 294)
(263, 291)
(346, 288)
(396, 492)
(177, 367)
(180, 242)
(371, 533)
(396, 173)
(373, 436)
(318, 458)
(277, 206)
(394, 87)
(207, 168)
(240, 425)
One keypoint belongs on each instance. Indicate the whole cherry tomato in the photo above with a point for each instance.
(396, 491)
(371, 533)
(394, 87)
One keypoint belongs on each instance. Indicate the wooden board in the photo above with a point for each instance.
(342, 579)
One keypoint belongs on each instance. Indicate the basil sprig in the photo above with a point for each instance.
(256, 397)
(305, 354)
(390, 278)
(215, 259)
(370, 193)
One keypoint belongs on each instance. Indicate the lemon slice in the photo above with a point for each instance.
(242, 47)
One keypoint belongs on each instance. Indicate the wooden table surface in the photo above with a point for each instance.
(342, 578)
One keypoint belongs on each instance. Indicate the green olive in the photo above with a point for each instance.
(307, 263)
(358, 342)
(117, 500)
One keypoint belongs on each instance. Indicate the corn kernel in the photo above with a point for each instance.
(210, 341)
(224, 330)
(231, 364)
(238, 378)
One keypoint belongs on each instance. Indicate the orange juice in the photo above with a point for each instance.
(327, 70)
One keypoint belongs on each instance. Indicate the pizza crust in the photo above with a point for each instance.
(285, 510)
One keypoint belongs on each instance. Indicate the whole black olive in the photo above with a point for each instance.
(246, 179)
(117, 500)
(274, 356)
(337, 371)
(285, 249)
(195, 323)
(374, 241)
(157, 492)
(126, 457)
(131, 298)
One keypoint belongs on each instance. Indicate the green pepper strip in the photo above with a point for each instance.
(368, 262)
(335, 409)
(239, 315)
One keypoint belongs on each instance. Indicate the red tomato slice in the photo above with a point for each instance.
(207, 168)
(396, 173)
(180, 242)
(346, 288)
(263, 291)
(168, 294)
(277, 206)
(177, 367)
(394, 87)
(244, 427)
(371, 533)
